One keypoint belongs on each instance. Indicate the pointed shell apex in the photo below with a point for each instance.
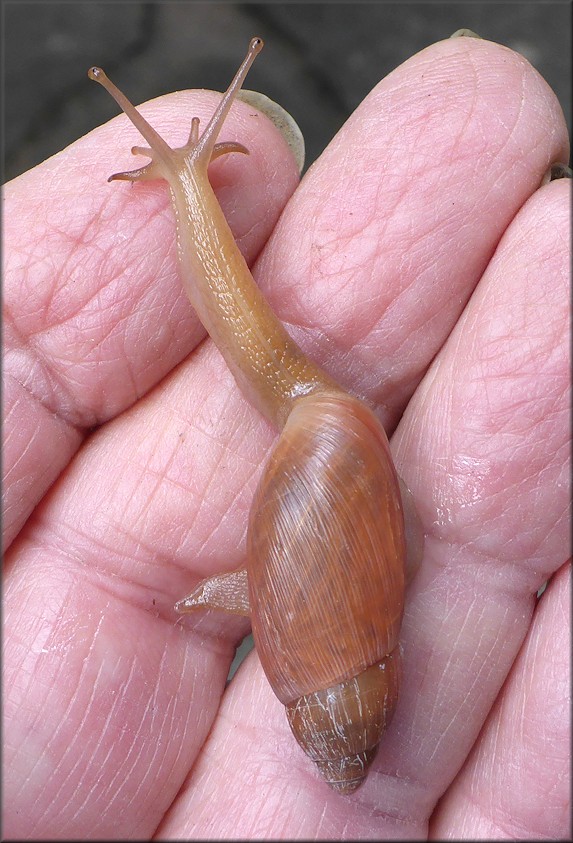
(346, 775)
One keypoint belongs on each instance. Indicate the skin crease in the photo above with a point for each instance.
(430, 188)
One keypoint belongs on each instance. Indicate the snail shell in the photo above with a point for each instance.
(326, 553)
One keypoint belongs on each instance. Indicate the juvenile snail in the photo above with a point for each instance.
(325, 572)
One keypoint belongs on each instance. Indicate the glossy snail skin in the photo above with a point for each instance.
(326, 553)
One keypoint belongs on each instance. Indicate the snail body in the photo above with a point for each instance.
(326, 550)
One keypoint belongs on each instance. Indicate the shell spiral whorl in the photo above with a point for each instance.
(340, 727)
(326, 581)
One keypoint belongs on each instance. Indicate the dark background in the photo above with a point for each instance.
(319, 62)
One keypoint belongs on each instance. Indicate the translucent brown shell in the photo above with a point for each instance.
(326, 578)
(340, 727)
(326, 549)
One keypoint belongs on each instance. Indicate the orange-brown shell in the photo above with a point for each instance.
(326, 549)
(340, 727)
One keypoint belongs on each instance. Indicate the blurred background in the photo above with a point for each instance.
(319, 62)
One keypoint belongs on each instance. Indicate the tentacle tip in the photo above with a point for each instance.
(256, 45)
(226, 147)
(96, 74)
(147, 173)
(184, 607)
(119, 177)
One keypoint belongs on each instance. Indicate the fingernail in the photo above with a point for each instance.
(465, 33)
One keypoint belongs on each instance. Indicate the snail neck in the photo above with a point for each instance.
(268, 365)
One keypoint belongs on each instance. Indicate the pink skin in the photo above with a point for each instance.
(115, 722)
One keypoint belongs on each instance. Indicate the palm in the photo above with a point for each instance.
(112, 702)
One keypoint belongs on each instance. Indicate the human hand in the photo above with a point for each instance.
(116, 719)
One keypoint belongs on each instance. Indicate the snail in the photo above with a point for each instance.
(326, 542)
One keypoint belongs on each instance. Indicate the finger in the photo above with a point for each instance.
(488, 433)
(94, 311)
(495, 491)
(379, 250)
(517, 781)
